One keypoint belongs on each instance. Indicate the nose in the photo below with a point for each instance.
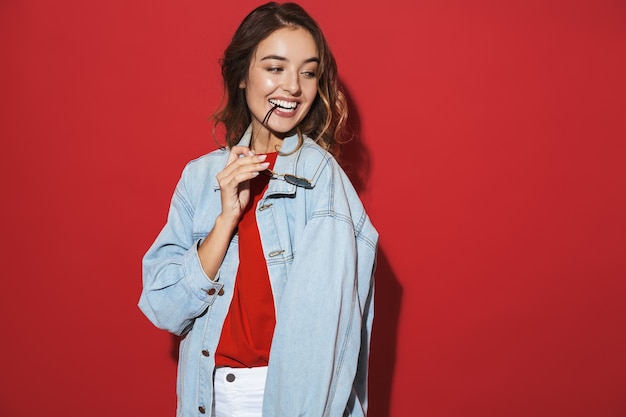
(291, 83)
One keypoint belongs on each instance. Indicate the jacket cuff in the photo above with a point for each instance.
(196, 280)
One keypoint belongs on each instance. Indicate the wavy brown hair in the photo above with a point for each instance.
(326, 119)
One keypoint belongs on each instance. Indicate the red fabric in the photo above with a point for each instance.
(249, 326)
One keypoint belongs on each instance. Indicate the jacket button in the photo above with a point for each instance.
(221, 291)
(202, 410)
(230, 377)
(211, 291)
(205, 352)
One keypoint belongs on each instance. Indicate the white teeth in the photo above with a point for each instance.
(283, 104)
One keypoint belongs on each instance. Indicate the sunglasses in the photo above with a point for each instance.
(290, 178)
(294, 179)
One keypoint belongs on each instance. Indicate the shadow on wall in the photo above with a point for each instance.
(354, 157)
(387, 302)
(355, 160)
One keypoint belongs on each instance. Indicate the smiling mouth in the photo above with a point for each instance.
(284, 105)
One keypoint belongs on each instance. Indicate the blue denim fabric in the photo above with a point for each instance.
(320, 247)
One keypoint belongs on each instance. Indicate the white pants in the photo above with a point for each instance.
(238, 392)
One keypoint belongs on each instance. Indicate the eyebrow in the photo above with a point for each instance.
(282, 58)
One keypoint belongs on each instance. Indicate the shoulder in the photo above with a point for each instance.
(315, 160)
(333, 197)
(330, 180)
(207, 163)
(201, 171)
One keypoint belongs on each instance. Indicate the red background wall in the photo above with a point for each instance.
(493, 156)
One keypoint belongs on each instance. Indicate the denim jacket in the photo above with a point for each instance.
(320, 247)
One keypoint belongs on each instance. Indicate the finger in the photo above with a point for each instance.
(237, 152)
(244, 169)
(247, 163)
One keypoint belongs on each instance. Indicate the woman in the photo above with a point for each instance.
(265, 265)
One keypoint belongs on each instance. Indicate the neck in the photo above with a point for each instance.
(265, 142)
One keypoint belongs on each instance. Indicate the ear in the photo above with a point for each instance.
(242, 84)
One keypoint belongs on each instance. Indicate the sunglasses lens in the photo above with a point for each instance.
(298, 181)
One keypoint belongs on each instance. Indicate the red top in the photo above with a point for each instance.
(249, 326)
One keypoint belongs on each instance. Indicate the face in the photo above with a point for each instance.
(282, 74)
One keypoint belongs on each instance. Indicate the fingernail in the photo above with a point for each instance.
(265, 164)
(261, 157)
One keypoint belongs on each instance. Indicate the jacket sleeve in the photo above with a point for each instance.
(321, 367)
(175, 288)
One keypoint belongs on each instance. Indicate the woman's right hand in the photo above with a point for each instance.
(234, 180)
